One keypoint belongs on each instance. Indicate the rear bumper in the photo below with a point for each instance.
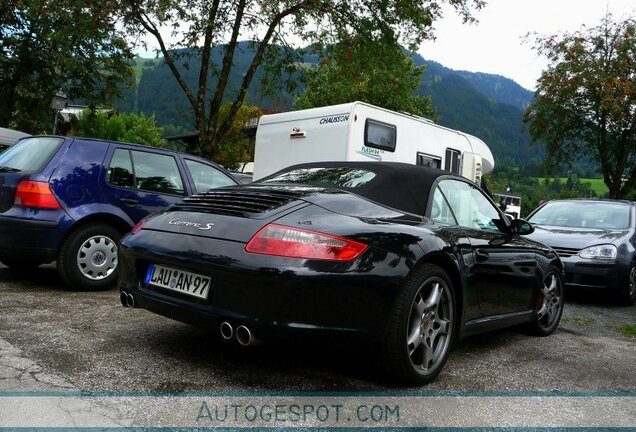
(272, 295)
(210, 319)
(33, 239)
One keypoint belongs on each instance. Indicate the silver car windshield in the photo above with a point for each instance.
(584, 214)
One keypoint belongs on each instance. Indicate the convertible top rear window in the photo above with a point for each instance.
(345, 177)
(396, 185)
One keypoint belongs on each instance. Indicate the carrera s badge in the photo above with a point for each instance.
(197, 225)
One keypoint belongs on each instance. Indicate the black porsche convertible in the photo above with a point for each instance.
(411, 258)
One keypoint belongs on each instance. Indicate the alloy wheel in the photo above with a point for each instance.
(549, 301)
(430, 325)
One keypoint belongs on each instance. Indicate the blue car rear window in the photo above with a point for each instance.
(30, 154)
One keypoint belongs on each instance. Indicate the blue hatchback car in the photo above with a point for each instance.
(71, 200)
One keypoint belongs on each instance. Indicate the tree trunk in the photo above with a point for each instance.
(615, 190)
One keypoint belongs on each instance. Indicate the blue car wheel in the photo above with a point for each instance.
(88, 259)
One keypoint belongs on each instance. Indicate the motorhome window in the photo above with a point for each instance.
(380, 135)
(336, 176)
(428, 161)
(451, 162)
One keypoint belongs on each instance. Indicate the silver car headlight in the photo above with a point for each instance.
(606, 251)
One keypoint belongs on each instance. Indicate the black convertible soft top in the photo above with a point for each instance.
(398, 185)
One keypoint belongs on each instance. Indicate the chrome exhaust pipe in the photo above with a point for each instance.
(130, 301)
(123, 298)
(227, 331)
(245, 337)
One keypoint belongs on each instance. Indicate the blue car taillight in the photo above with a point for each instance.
(35, 194)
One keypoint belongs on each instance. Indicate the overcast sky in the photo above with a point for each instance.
(495, 45)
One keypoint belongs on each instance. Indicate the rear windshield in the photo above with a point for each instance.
(584, 214)
(30, 155)
(336, 176)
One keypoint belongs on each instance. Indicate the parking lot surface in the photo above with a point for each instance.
(89, 342)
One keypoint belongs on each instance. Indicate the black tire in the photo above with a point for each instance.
(549, 305)
(416, 317)
(627, 296)
(87, 260)
(20, 264)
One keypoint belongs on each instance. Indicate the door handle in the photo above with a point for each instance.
(480, 255)
(128, 200)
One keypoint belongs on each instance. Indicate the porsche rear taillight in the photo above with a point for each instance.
(285, 241)
(138, 226)
(36, 195)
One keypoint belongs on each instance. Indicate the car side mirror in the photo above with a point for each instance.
(521, 227)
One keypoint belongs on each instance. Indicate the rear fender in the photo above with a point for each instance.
(117, 219)
(75, 180)
(454, 268)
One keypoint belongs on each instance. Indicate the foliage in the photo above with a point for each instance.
(131, 128)
(172, 129)
(586, 100)
(534, 190)
(48, 45)
(199, 26)
(378, 72)
(237, 147)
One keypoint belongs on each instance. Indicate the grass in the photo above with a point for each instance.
(596, 184)
(580, 321)
(627, 329)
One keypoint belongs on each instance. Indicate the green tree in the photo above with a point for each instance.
(132, 128)
(586, 100)
(47, 45)
(379, 72)
(196, 27)
(237, 146)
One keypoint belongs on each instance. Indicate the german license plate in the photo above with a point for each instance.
(178, 280)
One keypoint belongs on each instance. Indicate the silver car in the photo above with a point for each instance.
(596, 240)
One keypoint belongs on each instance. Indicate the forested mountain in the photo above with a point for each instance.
(487, 106)
(497, 87)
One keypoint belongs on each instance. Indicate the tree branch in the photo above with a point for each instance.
(215, 104)
(145, 21)
(205, 59)
(258, 57)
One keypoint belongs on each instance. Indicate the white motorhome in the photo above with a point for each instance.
(358, 131)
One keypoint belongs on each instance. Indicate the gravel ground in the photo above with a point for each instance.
(89, 340)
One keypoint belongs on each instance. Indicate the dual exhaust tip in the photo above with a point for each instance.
(244, 336)
(127, 299)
